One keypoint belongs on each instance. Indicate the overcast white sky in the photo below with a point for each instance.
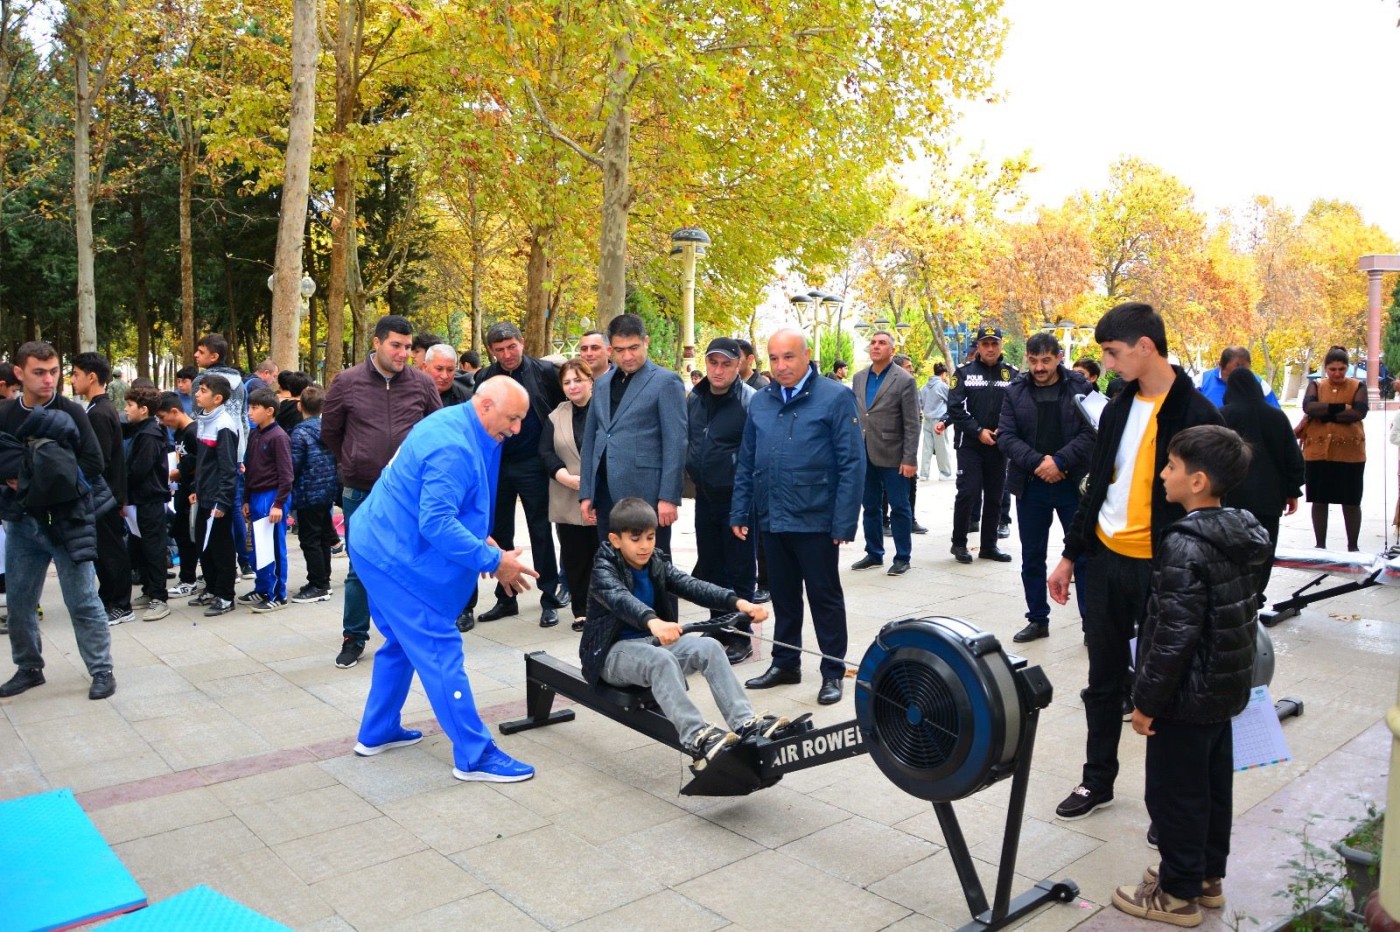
(1234, 97)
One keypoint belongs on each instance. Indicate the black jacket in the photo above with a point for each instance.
(102, 414)
(147, 469)
(1195, 653)
(1020, 419)
(69, 517)
(611, 603)
(715, 427)
(1276, 472)
(541, 381)
(1183, 407)
(975, 396)
(458, 393)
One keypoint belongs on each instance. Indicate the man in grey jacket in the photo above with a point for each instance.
(933, 399)
(887, 402)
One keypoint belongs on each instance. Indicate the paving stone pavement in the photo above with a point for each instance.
(225, 758)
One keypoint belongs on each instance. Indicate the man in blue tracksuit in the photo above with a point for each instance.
(419, 574)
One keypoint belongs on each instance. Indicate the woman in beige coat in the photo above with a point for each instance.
(559, 448)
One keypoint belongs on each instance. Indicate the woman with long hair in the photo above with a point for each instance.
(560, 441)
(1334, 445)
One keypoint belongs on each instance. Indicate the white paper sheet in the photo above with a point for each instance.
(129, 514)
(208, 529)
(263, 553)
(1258, 734)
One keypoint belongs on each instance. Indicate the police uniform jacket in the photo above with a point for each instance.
(975, 396)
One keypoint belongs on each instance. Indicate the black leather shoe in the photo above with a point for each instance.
(560, 598)
(1001, 556)
(919, 528)
(866, 562)
(898, 568)
(974, 527)
(738, 652)
(103, 685)
(549, 618)
(774, 676)
(962, 554)
(1031, 632)
(503, 608)
(760, 596)
(830, 693)
(466, 621)
(22, 680)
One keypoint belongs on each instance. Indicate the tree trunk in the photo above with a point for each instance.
(187, 165)
(537, 273)
(140, 294)
(617, 196)
(291, 223)
(83, 200)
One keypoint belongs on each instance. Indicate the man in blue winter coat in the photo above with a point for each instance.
(801, 469)
(419, 574)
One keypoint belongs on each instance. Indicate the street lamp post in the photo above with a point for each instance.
(689, 243)
(801, 303)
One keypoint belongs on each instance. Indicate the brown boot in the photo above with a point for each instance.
(1212, 889)
(1149, 901)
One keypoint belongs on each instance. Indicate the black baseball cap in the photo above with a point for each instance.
(985, 333)
(725, 346)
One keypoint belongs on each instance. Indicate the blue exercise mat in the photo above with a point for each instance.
(198, 908)
(56, 871)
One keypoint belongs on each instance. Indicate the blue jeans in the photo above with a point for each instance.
(272, 579)
(882, 481)
(1036, 510)
(355, 617)
(28, 553)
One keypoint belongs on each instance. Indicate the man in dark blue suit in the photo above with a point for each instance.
(634, 441)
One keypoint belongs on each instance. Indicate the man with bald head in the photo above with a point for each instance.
(801, 470)
(418, 574)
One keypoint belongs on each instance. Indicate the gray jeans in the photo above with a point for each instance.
(639, 663)
(28, 553)
(935, 445)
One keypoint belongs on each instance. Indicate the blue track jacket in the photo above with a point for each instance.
(427, 518)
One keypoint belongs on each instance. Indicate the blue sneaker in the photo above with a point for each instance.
(406, 738)
(496, 766)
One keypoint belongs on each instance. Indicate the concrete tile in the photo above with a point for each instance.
(397, 889)
(583, 881)
(461, 816)
(665, 910)
(607, 818)
(1045, 848)
(21, 780)
(344, 850)
(561, 790)
(155, 816)
(135, 706)
(99, 735)
(202, 736)
(278, 784)
(199, 673)
(681, 850)
(931, 887)
(103, 773)
(198, 845)
(866, 792)
(259, 880)
(744, 893)
(881, 850)
(392, 776)
(774, 816)
(485, 910)
(309, 813)
(301, 725)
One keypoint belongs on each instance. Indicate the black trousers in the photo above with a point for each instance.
(720, 557)
(981, 480)
(578, 545)
(151, 551)
(796, 560)
(185, 544)
(1190, 782)
(525, 478)
(113, 563)
(316, 536)
(1270, 523)
(218, 557)
(1115, 596)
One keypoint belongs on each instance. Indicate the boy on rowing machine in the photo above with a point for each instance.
(631, 637)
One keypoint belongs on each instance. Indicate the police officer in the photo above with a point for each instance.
(974, 407)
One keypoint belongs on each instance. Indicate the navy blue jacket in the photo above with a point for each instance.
(801, 464)
(1017, 429)
(316, 484)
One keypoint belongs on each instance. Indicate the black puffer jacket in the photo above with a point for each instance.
(1195, 651)
(611, 603)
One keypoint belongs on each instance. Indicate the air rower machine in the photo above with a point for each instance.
(940, 707)
(1365, 569)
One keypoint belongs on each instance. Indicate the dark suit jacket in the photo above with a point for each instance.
(644, 439)
(891, 425)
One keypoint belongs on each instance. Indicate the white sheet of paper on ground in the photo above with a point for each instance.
(129, 514)
(1258, 734)
(262, 543)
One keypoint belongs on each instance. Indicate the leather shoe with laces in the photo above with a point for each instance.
(774, 676)
(1000, 556)
(1031, 632)
(866, 562)
(961, 554)
(830, 693)
(103, 685)
(503, 608)
(22, 680)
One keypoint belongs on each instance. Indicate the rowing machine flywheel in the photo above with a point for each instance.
(942, 707)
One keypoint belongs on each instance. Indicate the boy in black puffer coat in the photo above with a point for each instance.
(1195, 660)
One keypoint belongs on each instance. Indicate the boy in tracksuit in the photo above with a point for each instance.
(267, 476)
(215, 486)
(186, 432)
(314, 489)
(147, 491)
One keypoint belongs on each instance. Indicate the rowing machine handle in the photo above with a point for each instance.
(699, 627)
